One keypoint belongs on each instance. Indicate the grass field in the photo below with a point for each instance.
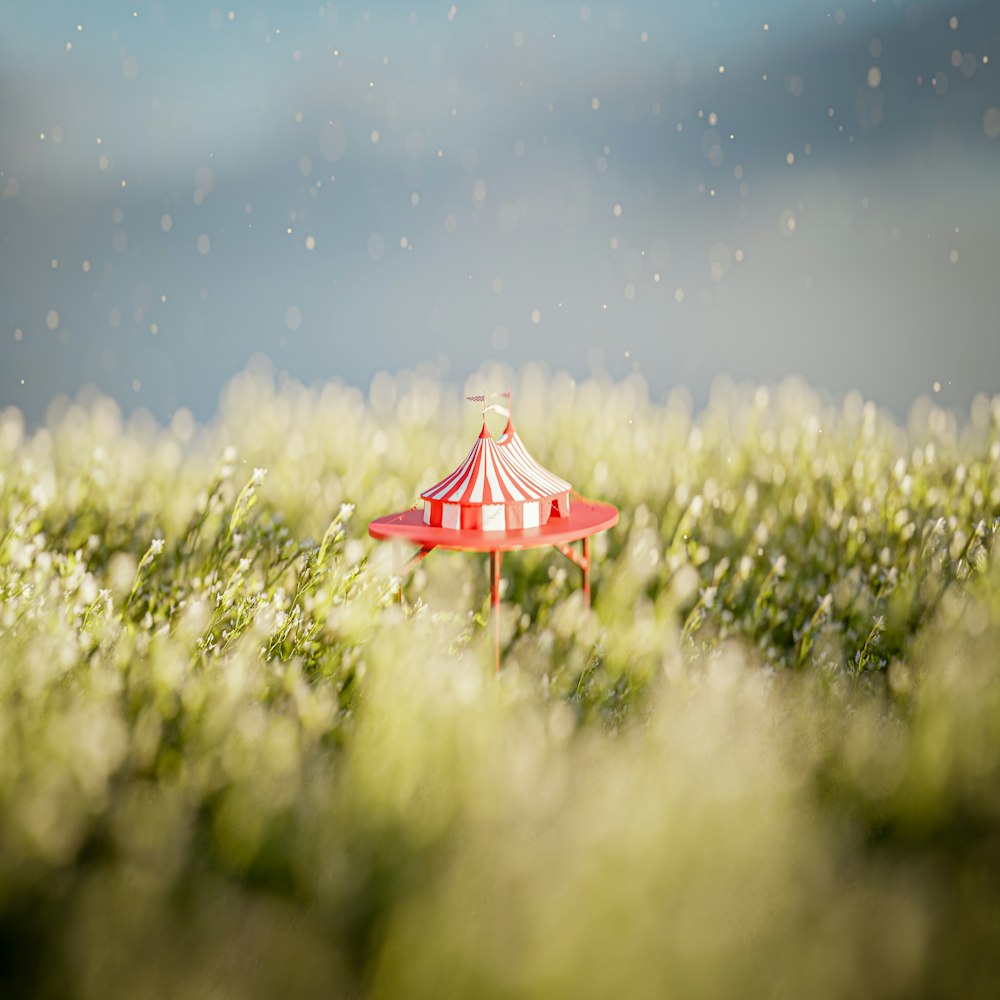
(231, 766)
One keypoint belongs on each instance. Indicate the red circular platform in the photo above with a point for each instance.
(586, 517)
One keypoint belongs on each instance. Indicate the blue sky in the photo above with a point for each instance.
(683, 189)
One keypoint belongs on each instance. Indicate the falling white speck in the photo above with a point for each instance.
(204, 244)
(52, 319)
(293, 318)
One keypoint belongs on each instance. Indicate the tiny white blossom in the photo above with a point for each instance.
(258, 476)
(156, 546)
(346, 510)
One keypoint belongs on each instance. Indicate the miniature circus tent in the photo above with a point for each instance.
(499, 487)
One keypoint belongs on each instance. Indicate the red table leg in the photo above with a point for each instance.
(583, 561)
(496, 559)
(408, 568)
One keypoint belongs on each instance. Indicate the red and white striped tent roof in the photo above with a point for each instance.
(497, 472)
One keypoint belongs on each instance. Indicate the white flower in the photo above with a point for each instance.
(258, 476)
(346, 510)
(156, 546)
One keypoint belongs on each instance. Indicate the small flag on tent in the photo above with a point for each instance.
(483, 396)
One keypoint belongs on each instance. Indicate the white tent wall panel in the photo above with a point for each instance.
(493, 517)
(451, 516)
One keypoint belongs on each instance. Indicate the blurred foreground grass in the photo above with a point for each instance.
(231, 766)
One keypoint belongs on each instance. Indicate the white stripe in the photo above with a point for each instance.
(477, 490)
(535, 475)
(516, 446)
(561, 484)
(505, 475)
(520, 468)
(520, 458)
(497, 492)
